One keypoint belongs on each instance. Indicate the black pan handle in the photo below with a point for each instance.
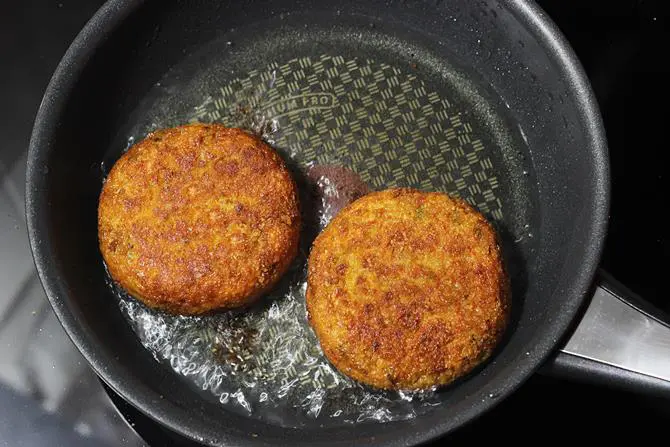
(621, 341)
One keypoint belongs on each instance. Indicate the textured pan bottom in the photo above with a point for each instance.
(391, 111)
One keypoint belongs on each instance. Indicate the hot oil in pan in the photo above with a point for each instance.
(348, 110)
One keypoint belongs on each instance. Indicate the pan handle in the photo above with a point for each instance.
(621, 341)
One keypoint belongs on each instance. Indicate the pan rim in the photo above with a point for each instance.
(104, 22)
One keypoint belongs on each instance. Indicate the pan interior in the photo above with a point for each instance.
(383, 105)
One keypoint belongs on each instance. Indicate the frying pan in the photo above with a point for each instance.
(481, 99)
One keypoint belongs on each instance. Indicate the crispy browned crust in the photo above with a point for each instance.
(407, 289)
(198, 218)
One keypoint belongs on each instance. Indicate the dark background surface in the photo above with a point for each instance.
(48, 395)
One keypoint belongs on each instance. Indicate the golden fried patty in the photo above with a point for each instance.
(198, 218)
(407, 289)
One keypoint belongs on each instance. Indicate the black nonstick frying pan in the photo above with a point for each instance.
(481, 99)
